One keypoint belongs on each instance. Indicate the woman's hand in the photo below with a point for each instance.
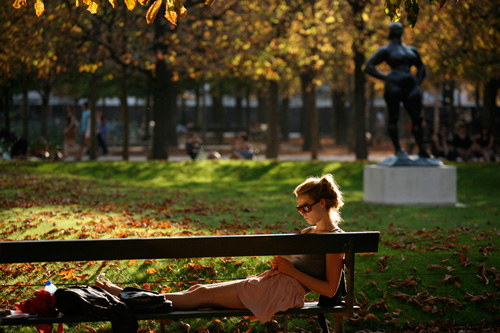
(283, 265)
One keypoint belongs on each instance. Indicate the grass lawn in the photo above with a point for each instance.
(435, 269)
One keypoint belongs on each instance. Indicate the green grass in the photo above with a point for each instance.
(431, 268)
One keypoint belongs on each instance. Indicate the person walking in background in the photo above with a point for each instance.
(193, 145)
(84, 125)
(102, 136)
(70, 131)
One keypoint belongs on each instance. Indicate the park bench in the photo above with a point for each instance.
(349, 243)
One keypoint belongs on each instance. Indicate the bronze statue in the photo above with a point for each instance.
(401, 86)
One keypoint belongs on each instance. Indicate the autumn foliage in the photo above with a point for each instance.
(174, 8)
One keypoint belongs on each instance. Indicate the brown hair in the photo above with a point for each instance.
(323, 187)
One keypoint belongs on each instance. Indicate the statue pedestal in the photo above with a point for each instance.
(410, 185)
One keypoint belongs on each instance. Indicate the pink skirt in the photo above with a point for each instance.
(269, 293)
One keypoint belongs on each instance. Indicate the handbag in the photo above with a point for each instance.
(97, 303)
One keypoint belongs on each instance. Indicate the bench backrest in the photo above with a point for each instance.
(196, 247)
(185, 247)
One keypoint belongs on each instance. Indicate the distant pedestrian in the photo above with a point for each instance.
(193, 145)
(70, 131)
(84, 125)
(102, 136)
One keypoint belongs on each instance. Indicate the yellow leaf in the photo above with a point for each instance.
(151, 271)
(143, 2)
(181, 8)
(209, 2)
(67, 274)
(93, 6)
(170, 13)
(39, 7)
(183, 12)
(131, 262)
(152, 11)
(130, 4)
(113, 3)
(18, 3)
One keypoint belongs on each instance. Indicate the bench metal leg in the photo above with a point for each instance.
(285, 324)
(339, 320)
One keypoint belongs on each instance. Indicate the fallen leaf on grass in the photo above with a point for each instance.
(66, 274)
(451, 279)
(482, 276)
(382, 304)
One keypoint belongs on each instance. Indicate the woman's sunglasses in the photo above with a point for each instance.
(305, 208)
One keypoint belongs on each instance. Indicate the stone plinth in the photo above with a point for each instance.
(410, 185)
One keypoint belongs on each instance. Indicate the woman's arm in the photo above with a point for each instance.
(435, 139)
(328, 287)
(491, 142)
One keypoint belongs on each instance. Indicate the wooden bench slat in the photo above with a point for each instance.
(182, 247)
(309, 308)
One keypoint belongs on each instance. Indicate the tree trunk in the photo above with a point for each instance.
(197, 108)
(125, 113)
(490, 118)
(172, 111)
(307, 102)
(285, 116)
(203, 112)
(160, 86)
(372, 113)
(45, 109)
(272, 144)
(239, 109)
(94, 91)
(340, 117)
(6, 108)
(201, 119)
(248, 119)
(147, 134)
(314, 124)
(218, 113)
(261, 108)
(360, 146)
(26, 114)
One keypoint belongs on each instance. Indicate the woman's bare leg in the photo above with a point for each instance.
(222, 295)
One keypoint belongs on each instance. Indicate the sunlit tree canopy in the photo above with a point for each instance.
(175, 9)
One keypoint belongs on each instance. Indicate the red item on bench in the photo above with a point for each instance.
(42, 304)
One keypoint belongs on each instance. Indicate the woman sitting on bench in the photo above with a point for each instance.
(285, 285)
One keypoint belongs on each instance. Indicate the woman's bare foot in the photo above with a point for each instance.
(110, 287)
